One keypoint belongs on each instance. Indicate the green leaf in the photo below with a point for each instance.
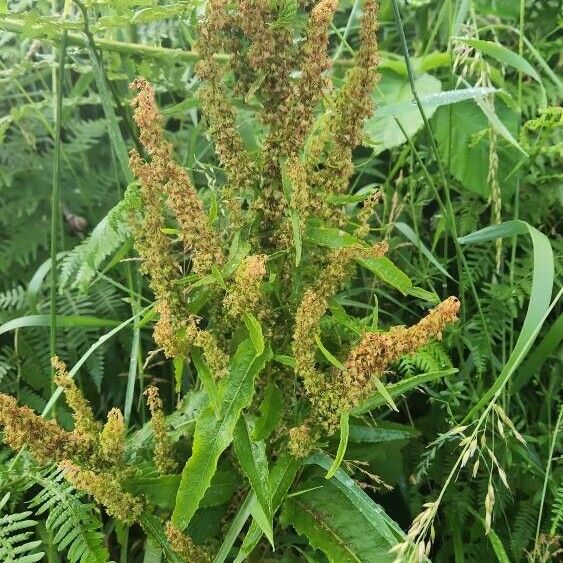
(387, 272)
(62, 320)
(421, 293)
(162, 490)
(413, 237)
(332, 238)
(384, 393)
(464, 146)
(394, 90)
(538, 306)
(396, 389)
(383, 432)
(206, 377)
(213, 434)
(235, 529)
(346, 528)
(294, 216)
(282, 476)
(549, 344)
(255, 331)
(270, 412)
(371, 511)
(505, 56)
(344, 433)
(332, 359)
(253, 460)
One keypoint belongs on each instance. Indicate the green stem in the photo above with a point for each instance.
(56, 200)
(546, 478)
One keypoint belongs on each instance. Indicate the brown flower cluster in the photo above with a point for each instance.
(85, 425)
(351, 105)
(244, 294)
(377, 350)
(162, 454)
(339, 391)
(184, 546)
(296, 113)
(45, 440)
(92, 455)
(161, 174)
(164, 182)
(314, 304)
(215, 104)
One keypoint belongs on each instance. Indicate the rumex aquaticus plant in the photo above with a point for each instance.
(242, 287)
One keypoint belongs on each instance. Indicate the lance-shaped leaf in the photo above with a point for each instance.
(282, 476)
(213, 434)
(252, 458)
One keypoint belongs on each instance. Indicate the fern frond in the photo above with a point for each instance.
(80, 265)
(557, 510)
(75, 525)
(15, 532)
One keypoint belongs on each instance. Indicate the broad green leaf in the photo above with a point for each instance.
(282, 476)
(342, 529)
(463, 145)
(538, 306)
(344, 433)
(255, 331)
(270, 412)
(399, 388)
(387, 272)
(386, 527)
(213, 434)
(404, 229)
(162, 490)
(254, 462)
(394, 90)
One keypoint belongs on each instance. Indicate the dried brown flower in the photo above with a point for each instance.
(45, 440)
(163, 458)
(352, 104)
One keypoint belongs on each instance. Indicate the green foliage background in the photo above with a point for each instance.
(509, 110)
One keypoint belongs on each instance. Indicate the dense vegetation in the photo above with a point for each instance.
(280, 281)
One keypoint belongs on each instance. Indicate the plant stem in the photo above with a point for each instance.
(56, 202)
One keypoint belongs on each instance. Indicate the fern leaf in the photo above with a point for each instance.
(15, 532)
(75, 525)
(80, 265)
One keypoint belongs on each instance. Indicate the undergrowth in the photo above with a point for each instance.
(278, 281)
